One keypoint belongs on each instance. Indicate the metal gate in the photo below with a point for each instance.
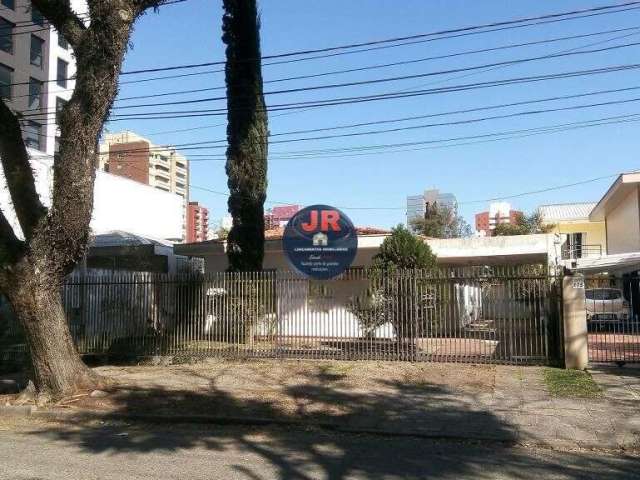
(613, 313)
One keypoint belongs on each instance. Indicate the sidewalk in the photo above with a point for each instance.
(497, 403)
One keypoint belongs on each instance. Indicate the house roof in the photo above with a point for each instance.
(119, 238)
(277, 233)
(623, 185)
(563, 212)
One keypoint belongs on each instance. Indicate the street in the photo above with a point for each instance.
(118, 451)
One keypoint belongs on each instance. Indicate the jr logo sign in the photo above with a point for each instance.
(320, 241)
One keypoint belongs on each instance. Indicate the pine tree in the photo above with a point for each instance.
(247, 133)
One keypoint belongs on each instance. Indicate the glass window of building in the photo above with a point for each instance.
(60, 103)
(62, 42)
(6, 35)
(9, 4)
(61, 73)
(35, 93)
(33, 135)
(6, 78)
(36, 16)
(37, 46)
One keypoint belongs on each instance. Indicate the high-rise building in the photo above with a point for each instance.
(36, 71)
(498, 213)
(417, 204)
(197, 223)
(279, 216)
(130, 155)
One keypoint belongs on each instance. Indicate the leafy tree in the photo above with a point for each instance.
(32, 269)
(247, 132)
(403, 250)
(222, 233)
(441, 221)
(392, 294)
(524, 225)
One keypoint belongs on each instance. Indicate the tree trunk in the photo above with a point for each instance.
(247, 135)
(56, 367)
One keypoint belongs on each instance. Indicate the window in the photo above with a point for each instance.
(33, 134)
(62, 42)
(36, 16)
(35, 93)
(56, 145)
(6, 35)
(603, 294)
(60, 103)
(6, 75)
(36, 51)
(9, 4)
(61, 75)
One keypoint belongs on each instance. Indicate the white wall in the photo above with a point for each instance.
(122, 204)
(623, 225)
(44, 180)
(119, 204)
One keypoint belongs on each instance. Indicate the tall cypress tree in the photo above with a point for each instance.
(247, 132)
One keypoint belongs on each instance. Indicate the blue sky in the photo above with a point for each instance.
(190, 33)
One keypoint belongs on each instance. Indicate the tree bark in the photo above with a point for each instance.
(247, 133)
(56, 366)
(32, 270)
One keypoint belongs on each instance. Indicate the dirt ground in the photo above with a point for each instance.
(284, 387)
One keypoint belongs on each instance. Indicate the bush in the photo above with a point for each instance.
(395, 294)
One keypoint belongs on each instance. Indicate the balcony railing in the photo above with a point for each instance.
(572, 252)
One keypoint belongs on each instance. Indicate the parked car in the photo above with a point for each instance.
(606, 306)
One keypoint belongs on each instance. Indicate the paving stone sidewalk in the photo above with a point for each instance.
(479, 402)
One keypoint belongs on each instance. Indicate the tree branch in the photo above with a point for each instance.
(18, 173)
(10, 246)
(142, 5)
(60, 14)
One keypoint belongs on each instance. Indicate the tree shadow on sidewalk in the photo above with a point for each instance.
(307, 451)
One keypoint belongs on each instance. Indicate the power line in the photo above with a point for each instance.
(361, 99)
(162, 115)
(396, 39)
(393, 79)
(392, 64)
(418, 127)
(607, 9)
(368, 148)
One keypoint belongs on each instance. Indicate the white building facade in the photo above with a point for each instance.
(118, 204)
(36, 70)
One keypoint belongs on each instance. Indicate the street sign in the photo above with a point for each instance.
(320, 242)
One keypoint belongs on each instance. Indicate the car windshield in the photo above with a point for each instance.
(603, 294)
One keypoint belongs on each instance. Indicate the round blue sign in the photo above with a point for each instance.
(320, 242)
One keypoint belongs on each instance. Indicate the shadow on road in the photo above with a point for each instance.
(310, 452)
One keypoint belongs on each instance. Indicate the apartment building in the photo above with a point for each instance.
(279, 216)
(36, 71)
(197, 223)
(498, 213)
(132, 156)
(417, 204)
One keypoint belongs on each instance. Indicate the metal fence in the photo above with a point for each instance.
(481, 315)
(613, 318)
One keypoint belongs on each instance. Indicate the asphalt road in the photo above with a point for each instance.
(121, 451)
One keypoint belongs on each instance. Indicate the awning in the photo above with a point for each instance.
(619, 263)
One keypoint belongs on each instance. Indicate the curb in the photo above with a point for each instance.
(79, 416)
(514, 439)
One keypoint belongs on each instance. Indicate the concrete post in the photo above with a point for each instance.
(576, 354)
